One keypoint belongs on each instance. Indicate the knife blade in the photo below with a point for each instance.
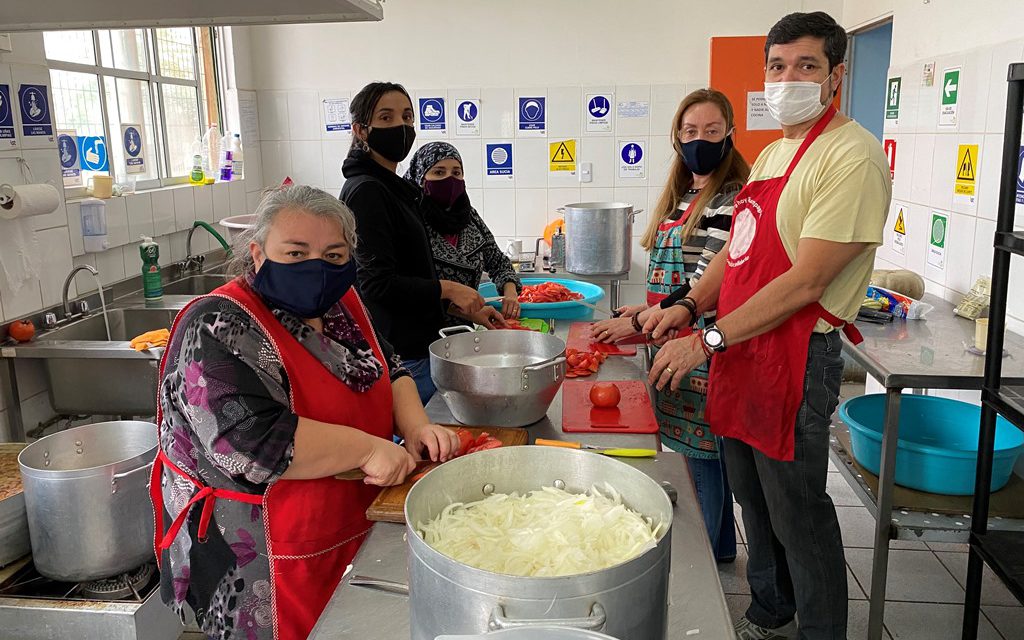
(359, 474)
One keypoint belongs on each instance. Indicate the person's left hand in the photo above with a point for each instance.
(676, 359)
(510, 305)
(612, 329)
(488, 317)
(440, 443)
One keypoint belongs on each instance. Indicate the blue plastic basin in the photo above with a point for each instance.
(938, 442)
(558, 310)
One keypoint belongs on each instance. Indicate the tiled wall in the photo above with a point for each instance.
(165, 214)
(294, 142)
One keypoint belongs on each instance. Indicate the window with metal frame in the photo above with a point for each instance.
(163, 78)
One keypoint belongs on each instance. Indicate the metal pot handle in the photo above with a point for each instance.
(560, 209)
(447, 332)
(122, 476)
(634, 214)
(543, 365)
(593, 622)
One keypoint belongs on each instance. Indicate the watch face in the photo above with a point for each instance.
(713, 338)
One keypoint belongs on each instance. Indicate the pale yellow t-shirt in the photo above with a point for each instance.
(840, 192)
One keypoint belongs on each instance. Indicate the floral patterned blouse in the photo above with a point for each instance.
(227, 422)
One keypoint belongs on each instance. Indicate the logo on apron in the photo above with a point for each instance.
(744, 228)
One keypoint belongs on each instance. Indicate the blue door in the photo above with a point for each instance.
(869, 66)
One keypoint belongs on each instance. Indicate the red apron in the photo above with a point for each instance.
(756, 387)
(313, 527)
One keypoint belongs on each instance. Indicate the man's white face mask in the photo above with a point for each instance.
(794, 102)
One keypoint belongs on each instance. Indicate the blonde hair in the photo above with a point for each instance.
(733, 171)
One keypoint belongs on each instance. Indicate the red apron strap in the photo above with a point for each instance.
(849, 329)
(815, 131)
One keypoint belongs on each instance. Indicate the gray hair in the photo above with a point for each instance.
(304, 198)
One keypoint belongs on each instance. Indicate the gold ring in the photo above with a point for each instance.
(669, 369)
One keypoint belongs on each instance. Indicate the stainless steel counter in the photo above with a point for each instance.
(918, 355)
(697, 607)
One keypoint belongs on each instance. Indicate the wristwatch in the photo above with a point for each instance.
(714, 339)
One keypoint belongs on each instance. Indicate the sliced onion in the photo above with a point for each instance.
(547, 532)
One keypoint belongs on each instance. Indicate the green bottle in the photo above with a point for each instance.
(152, 288)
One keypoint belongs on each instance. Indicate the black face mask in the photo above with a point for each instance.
(450, 219)
(702, 156)
(307, 289)
(394, 143)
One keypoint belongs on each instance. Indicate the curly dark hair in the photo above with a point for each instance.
(817, 25)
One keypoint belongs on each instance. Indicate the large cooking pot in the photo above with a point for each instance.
(497, 378)
(629, 600)
(598, 237)
(89, 514)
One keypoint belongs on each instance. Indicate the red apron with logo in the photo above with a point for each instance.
(313, 527)
(756, 387)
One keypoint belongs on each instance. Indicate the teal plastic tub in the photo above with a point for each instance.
(553, 310)
(938, 442)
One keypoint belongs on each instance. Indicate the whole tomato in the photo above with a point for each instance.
(21, 330)
(605, 395)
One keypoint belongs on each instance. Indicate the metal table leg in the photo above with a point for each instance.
(14, 417)
(883, 521)
(613, 294)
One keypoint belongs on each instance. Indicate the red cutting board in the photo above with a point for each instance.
(633, 415)
(579, 339)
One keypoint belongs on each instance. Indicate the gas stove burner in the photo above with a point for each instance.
(123, 586)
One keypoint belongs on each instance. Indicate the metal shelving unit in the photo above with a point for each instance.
(1003, 551)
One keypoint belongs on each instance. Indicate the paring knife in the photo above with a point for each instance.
(608, 451)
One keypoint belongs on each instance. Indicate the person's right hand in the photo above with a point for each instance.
(661, 321)
(387, 463)
(628, 311)
(612, 329)
(467, 299)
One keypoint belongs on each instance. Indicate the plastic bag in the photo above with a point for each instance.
(897, 304)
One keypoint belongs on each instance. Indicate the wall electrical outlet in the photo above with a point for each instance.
(586, 172)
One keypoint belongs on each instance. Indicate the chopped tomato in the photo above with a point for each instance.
(548, 292)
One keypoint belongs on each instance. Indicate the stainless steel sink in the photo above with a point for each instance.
(196, 285)
(89, 374)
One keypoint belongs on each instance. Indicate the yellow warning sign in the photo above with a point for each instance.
(901, 226)
(563, 155)
(966, 170)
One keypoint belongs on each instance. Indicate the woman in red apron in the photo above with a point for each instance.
(269, 387)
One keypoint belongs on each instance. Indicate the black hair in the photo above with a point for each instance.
(363, 104)
(817, 25)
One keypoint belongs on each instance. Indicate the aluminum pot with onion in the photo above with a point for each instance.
(628, 600)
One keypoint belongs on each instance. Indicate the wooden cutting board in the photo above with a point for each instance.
(390, 504)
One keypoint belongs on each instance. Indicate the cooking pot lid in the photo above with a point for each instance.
(599, 205)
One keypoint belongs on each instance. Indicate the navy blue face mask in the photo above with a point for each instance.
(307, 289)
(703, 156)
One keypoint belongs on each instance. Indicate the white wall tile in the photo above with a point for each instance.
(921, 172)
(960, 252)
(988, 179)
(636, 196)
(55, 247)
(165, 251)
(253, 170)
(984, 236)
(476, 199)
(632, 126)
(943, 171)
(638, 263)
(918, 226)
(565, 112)
(1002, 56)
(117, 222)
(1014, 304)
(472, 160)
(177, 245)
(110, 264)
(75, 228)
(531, 212)
(303, 119)
(973, 93)
(221, 201)
(203, 197)
(36, 410)
(140, 215)
(600, 152)
(273, 110)
(497, 113)
(252, 200)
(334, 153)
(83, 282)
(277, 162)
(926, 117)
(632, 182)
(660, 155)
(25, 301)
(164, 220)
(239, 204)
(665, 99)
(531, 163)
(589, 193)
(308, 163)
(499, 211)
(905, 144)
(559, 198)
(184, 208)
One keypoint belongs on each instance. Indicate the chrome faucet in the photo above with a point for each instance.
(82, 306)
(194, 261)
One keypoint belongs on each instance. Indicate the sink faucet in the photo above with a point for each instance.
(67, 285)
(191, 260)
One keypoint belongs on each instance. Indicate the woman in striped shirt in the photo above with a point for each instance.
(689, 225)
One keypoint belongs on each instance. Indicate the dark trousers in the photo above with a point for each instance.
(796, 563)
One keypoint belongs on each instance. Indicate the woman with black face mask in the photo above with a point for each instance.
(396, 274)
(689, 225)
(462, 244)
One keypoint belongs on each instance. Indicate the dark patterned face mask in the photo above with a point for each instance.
(445, 191)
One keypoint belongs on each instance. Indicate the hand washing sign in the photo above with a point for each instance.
(134, 159)
(7, 118)
(432, 115)
(36, 120)
(94, 153)
(67, 151)
(336, 115)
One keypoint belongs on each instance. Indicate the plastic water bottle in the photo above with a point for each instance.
(237, 167)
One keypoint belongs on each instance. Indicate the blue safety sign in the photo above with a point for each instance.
(93, 151)
(35, 110)
(599, 107)
(1020, 177)
(468, 111)
(131, 140)
(632, 153)
(68, 151)
(6, 112)
(532, 113)
(432, 116)
(499, 159)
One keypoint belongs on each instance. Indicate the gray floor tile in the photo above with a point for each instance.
(857, 626)
(734, 574)
(1009, 621)
(841, 492)
(992, 589)
(914, 576)
(737, 605)
(928, 621)
(858, 527)
(956, 547)
(854, 589)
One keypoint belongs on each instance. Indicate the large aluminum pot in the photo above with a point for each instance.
(89, 514)
(598, 237)
(534, 633)
(497, 378)
(628, 601)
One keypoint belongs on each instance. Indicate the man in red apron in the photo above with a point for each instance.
(799, 257)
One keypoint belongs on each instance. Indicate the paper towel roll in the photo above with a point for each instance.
(22, 201)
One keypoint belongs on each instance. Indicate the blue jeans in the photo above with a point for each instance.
(420, 370)
(796, 563)
(715, 498)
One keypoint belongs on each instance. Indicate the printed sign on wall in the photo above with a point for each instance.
(134, 158)
(562, 156)
(965, 186)
(1020, 177)
(899, 235)
(36, 120)
(533, 115)
(598, 112)
(432, 115)
(467, 112)
(759, 118)
(937, 240)
(949, 97)
(7, 119)
(892, 99)
(67, 151)
(336, 114)
(499, 161)
(93, 150)
(631, 159)
(889, 146)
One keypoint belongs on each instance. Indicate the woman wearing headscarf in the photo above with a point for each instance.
(462, 245)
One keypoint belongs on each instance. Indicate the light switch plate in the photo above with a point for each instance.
(5, 42)
(586, 172)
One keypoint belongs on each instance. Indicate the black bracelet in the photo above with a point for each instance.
(690, 305)
(636, 323)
